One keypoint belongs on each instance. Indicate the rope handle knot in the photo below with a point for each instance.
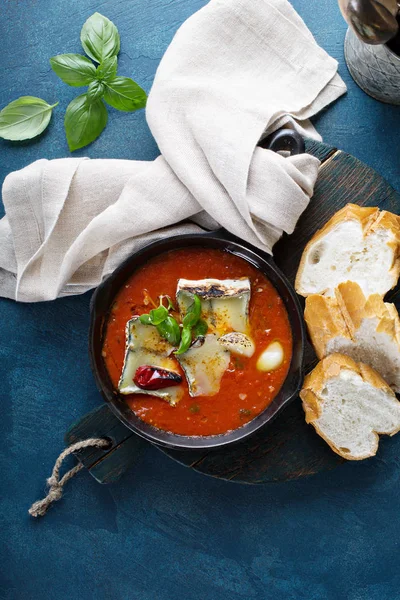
(55, 484)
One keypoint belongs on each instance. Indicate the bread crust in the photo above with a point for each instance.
(342, 315)
(324, 321)
(371, 220)
(315, 382)
(356, 307)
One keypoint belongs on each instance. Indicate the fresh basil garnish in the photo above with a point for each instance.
(168, 327)
(124, 94)
(100, 38)
(200, 329)
(84, 121)
(25, 118)
(170, 330)
(95, 91)
(193, 313)
(158, 315)
(86, 115)
(74, 69)
(107, 70)
(186, 340)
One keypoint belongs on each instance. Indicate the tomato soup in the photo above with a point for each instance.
(245, 390)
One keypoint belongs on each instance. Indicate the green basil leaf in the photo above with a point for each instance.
(84, 121)
(200, 329)
(123, 93)
(145, 319)
(193, 313)
(107, 70)
(158, 315)
(186, 340)
(170, 330)
(95, 91)
(100, 38)
(73, 69)
(25, 118)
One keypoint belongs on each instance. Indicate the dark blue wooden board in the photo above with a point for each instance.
(164, 531)
(287, 448)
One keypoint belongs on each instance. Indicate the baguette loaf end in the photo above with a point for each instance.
(349, 405)
(360, 244)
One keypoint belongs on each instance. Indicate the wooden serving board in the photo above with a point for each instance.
(288, 448)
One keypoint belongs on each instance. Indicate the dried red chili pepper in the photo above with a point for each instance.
(153, 378)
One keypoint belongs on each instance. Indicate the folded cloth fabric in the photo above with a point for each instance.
(236, 70)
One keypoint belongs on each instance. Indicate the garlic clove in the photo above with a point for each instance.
(271, 358)
(238, 343)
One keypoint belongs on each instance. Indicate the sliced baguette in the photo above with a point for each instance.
(358, 244)
(366, 329)
(349, 404)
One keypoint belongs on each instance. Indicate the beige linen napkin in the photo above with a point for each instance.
(236, 70)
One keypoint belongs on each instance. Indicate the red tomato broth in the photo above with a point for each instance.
(245, 391)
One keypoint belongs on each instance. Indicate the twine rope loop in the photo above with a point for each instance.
(55, 484)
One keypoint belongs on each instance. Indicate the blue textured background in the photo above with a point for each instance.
(164, 532)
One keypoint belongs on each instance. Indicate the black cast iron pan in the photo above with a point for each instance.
(102, 300)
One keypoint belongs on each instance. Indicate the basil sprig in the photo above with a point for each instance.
(86, 116)
(168, 327)
(87, 113)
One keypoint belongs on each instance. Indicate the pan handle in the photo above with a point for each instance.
(106, 465)
(284, 140)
